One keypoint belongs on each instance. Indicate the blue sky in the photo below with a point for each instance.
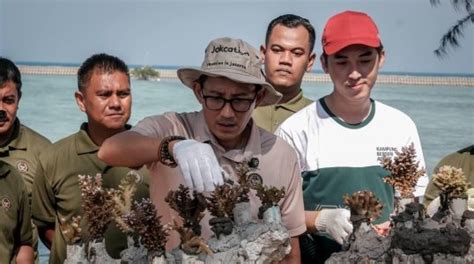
(166, 32)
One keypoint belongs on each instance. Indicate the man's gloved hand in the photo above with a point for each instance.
(198, 164)
(335, 222)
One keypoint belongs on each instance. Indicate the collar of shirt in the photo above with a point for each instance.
(13, 142)
(4, 170)
(252, 147)
(84, 143)
(295, 104)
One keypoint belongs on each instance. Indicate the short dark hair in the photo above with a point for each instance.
(103, 62)
(379, 50)
(10, 72)
(292, 21)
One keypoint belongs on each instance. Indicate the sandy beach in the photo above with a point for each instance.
(309, 77)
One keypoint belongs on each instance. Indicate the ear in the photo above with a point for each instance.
(312, 58)
(324, 64)
(263, 50)
(197, 89)
(80, 100)
(381, 58)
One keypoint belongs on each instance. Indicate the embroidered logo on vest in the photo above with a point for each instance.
(6, 203)
(22, 166)
(135, 175)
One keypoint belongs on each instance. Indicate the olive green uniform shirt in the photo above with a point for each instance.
(462, 159)
(22, 151)
(271, 116)
(56, 192)
(15, 215)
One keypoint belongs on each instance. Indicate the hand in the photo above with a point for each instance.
(433, 207)
(198, 164)
(335, 222)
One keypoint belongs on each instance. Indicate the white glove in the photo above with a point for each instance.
(198, 164)
(335, 222)
(433, 207)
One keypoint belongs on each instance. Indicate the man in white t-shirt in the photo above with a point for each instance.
(341, 138)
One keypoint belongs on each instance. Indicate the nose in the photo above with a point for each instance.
(227, 111)
(286, 58)
(114, 102)
(355, 73)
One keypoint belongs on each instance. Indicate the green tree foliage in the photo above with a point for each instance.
(145, 73)
(451, 38)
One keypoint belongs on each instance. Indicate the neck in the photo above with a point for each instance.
(99, 134)
(352, 112)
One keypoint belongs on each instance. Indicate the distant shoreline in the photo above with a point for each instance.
(309, 77)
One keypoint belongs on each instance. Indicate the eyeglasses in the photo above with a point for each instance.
(216, 103)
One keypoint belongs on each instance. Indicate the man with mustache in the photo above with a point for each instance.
(191, 148)
(20, 146)
(287, 54)
(104, 94)
(341, 138)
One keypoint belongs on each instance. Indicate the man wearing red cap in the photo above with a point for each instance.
(341, 138)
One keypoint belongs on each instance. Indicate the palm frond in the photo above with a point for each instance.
(451, 38)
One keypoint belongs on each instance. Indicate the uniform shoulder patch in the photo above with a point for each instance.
(6, 203)
(22, 166)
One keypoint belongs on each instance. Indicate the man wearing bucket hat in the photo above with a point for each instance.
(193, 148)
(341, 138)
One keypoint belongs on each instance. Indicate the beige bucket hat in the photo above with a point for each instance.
(234, 59)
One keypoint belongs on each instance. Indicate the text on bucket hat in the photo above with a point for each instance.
(234, 59)
(349, 28)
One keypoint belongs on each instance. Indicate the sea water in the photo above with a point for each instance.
(444, 115)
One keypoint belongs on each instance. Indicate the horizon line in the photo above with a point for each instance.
(175, 67)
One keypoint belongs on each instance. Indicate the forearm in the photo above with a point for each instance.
(46, 235)
(129, 149)
(295, 254)
(25, 255)
(310, 217)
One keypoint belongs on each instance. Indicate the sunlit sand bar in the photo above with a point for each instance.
(310, 77)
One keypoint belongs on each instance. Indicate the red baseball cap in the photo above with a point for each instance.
(349, 28)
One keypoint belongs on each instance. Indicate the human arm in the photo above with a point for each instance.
(422, 182)
(25, 255)
(130, 149)
(140, 145)
(46, 234)
(335, 222)
(165, 135)
(43, 207)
